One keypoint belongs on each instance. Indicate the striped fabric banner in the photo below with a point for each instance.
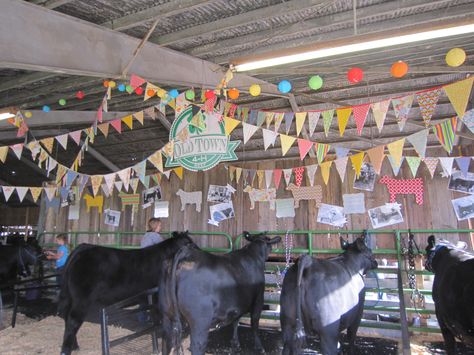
(321, 151)
(445, 132)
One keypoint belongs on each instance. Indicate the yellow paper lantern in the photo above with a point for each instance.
(455, 57)
(255, 90)
(112, 84)
(28, 114)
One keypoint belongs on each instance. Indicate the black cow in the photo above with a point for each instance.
(100, 276)
(453, 291)
(207, 291)
(15, 260)
(325, 296)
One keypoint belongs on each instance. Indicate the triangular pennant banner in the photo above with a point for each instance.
(418, 140)
(18, 149)
(61, 172)
(300, 118)
(446, 132)
(413, 163)
(286, 143)
(343, 115)
(260, 118)
(109, 180)
(268, 178)
(396, 150)
(139, 116)
(287, 175)
(277, 177)
(360, 115)
(327, 120)
(136, 81)
(134, 185)
(431, 164)
(261, 177)
(3, 153)
(427, 101)
(128, 120)
(313, 118)
(7, 191)
(118, 185)
(311, 172)
(459, 93)
(325, 171)
(321, 151)
(21, 192)
(468, 120)
(463, 164)
(379, 110)
(299, 172)
(238, 174)
(140, 170)
(62, 139)
(304, 146)
(117, 124)
(341, 152)
(376, 156)
(124, 175)
(249, 131)
(83, 180)
(157, 160)
(269, 138)
(278, 119)
(105, 190)
(48, 144)
(341, 166)
(252, 173)
(150, 91)
(269, 118)
(289, 116)
(76, 136)
(104, 128)
(179, 171)
(395, 165)
(150, 111)
(52, 164)
(96, 181)
(357, 160)
(230, 125)
(35, 193)
(401, 107)
(50, 192)
(71, 175)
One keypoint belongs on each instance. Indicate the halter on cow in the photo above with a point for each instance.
(210, 291)
(325, 296)
(453, 290)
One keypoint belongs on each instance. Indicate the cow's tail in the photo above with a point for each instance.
(303, 262)
(173, 297)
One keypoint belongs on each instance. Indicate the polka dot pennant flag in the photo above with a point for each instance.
(431, 164)
(298, 175)
(360, 115)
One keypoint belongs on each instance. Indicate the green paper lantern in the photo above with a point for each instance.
(129, 89)
(315, 82)
(189, 94)
(62, 102)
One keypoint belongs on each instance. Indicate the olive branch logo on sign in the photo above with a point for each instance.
(199, 140)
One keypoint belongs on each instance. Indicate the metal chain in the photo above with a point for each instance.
(280, 274)
(417, 298)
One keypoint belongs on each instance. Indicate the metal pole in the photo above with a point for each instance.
(15, 308)
(401, 296)
(104, 332)
(154, 332)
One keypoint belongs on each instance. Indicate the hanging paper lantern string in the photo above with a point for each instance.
(284, 86)
(121, 87)
(233, 94)
(150, 92)
(46, 108)
(139, 91)
(189, 94)
(174, 93)
(455, 57)
(255, 90)
(28, 114)
(106, 83)
(315, 82)
(399, 69)
(129, 89)
(112, 84)
(62, 102)
(80, 95)
(355, 75)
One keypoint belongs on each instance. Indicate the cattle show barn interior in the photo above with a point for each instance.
(307, 119)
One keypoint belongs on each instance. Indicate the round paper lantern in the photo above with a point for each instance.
(173, 93)
(284, 86)
(121, 87)
(355, 75)
(189, 94)
(233, 94)
(46, 108)
(62, 102)
(112, 84)
(255, 90)
(150, 92)
(28, 114)
(161, 93)
(106, 83)
(209, 94)
(129, 89)
(315, 82)
(139, 90)
(399, 69)
(80, 95)
(455, 57)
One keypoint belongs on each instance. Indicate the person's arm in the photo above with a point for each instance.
(55, 256)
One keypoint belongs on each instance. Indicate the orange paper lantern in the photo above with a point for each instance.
(233, 94)
(150, 92)
(399, 69)
(106, 83)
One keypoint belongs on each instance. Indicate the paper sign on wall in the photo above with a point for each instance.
(285, 207)
(73, 213)
(464, 207)
(219, 193)
(221, 212)
(112, 218)
(332, 215)
(150, 196)
(353, 203)
(161, 209)
(386, 215)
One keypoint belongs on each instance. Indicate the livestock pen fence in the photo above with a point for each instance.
(398, 292)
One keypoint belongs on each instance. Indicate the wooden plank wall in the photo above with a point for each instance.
(436, 212)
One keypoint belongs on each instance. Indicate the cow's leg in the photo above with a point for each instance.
(73, 322)
(235, 343)
(254, 320)
(166, 341)
(449, 340)
(199, 334)
(288, 333)
(329, 339)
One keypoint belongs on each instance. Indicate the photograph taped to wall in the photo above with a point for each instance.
(332, 215)
(73, 212)
(221, 211)
(366, 179)
(112, 218)
(386, 215)
(150, 196)
(464, 207)
(161, 209)
(458, 182)
(218, 193)
(69, 196)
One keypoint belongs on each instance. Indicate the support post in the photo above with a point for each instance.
(104, 332)
(401, 296)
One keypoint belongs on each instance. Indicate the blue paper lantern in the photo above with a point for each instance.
(121, 87)
(284, 86)
(173, 93)
(46, 108)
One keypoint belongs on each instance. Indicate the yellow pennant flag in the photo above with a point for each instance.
(396, 150)
(260, 175)
(179, 172)
(128, 120)
(286, 143)
(3, 153)
(35, 192)
(96, 180)
(61, 172)
(157, 160)
(139, 116)
(300, 118)
(459, 93)
(48, 144)
(269, 118)
(238, 174)
(343, 115)
(230, 124)
(325, 170)
(357, 160)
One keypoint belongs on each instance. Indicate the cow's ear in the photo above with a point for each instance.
(274, 240)
(431, 241)
(344, 243)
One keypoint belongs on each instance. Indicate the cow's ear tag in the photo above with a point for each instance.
(344, 243)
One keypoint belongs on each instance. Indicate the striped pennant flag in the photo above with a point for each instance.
(445, 132)
(321, 151)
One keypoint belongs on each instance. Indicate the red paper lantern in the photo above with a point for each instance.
(355, 75)
(80, 95)
(138, 91)
(399, 69)
(233, 94)
(209, 94)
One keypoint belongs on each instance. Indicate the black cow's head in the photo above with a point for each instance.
(359, 247)
(262, 238)
(430, 252)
